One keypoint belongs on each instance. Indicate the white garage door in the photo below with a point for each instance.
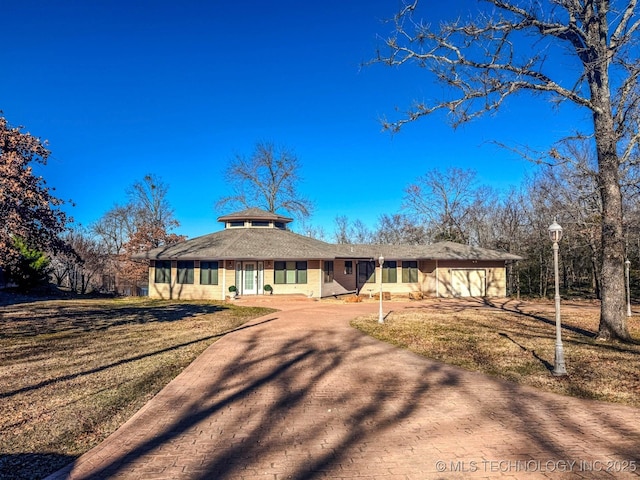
(467, 282)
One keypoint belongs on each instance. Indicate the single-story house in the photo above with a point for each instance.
(256, 250)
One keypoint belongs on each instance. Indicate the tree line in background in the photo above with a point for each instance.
(443, 204)
(98, 258)
(38, 243)
(450, 205)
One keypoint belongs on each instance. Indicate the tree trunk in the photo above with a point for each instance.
(613, 324)
(613, 320)
(595, 276)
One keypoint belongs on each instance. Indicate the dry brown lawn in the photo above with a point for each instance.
(72, 371)
(515, 341)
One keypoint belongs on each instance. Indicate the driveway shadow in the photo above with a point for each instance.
(300, 400)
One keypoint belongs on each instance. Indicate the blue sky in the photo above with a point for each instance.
(177, 89)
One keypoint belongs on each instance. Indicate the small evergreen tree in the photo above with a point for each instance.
(32, 268)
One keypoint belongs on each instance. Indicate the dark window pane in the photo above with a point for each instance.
(163, 271)
(389, 272)
(410, 272)
(328, 271)
(185, 272)
(208, 273)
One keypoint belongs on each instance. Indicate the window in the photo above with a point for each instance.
(366, 272)
(259, 223)
(328, 271)
(208, 273)
(185, 272)
(237, 223)
(163, 271)
(279, 225)
(410, 272)
(290, 272)
(348, 267)
(389, 271)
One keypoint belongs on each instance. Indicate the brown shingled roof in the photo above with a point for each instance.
(246, 244)
(436, 251)
(261, 243)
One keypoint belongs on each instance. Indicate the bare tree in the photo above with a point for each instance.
(269, 179)
(145, 222)
(151, 209)
(114, 228)
(399, 229)
(571, 186)
(481, 225)
(504, 51)
(444, 201)
(510, 221)
(341, 234)
(307, 229)
(352, 232)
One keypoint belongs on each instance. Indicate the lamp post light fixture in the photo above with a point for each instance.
(627, 265)
(381, 317)
(555, 234)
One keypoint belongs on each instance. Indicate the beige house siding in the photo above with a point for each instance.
(425, 283)
(314, 280)
(438, 279)
(183, 291)
(227, 277)
(427, 275)
(497, 281)
(444, 278)
(397, 287)
(312, 288)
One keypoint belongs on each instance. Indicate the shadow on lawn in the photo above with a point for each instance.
(29, 465)
(45, 319)
(322, 402)
(124, 361)
(518, 309)
(588, 334)
(535, 355)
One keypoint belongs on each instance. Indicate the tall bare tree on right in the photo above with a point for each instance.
(509, 48)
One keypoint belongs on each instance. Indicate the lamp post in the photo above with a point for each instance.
(627, 264)
(555, 234)
(381, 317)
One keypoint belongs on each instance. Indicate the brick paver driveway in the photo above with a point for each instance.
(299, 394)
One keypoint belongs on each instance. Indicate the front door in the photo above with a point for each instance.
(250, 279)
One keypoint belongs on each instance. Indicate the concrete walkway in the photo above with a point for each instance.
(299, 394)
